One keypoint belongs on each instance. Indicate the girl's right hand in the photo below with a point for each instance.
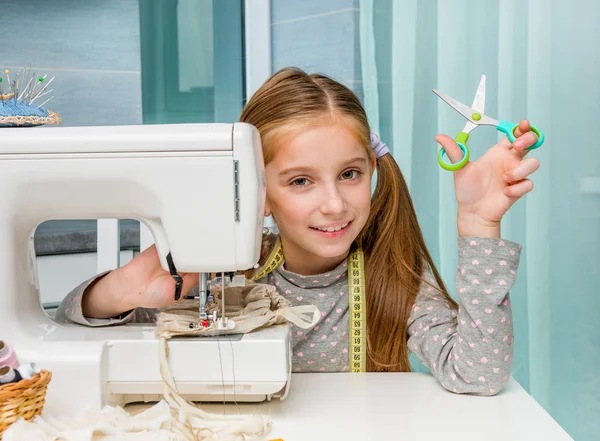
(142, 283)
(151, 285)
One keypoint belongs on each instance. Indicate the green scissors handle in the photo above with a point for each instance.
(461, 140)
(508, 129)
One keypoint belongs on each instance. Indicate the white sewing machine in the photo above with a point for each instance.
(200, 188)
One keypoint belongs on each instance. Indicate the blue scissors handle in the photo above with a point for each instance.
(509, 128)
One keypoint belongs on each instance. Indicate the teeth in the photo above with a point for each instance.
(332, 229)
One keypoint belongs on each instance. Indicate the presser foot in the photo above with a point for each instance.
(213, 321)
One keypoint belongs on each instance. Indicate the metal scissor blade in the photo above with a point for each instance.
(479, 101)
(478, 104)
(461, 108)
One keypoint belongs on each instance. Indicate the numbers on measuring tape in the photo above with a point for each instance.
(357, 307)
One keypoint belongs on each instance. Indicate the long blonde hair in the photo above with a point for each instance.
(395, 252)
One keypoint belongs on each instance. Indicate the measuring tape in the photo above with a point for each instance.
(357, 314)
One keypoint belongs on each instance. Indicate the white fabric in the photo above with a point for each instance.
(111, 423)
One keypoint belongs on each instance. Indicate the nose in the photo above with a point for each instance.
(333, 201)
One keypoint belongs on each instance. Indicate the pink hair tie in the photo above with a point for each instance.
(378, 147)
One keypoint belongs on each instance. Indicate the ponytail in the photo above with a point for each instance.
(395, 259)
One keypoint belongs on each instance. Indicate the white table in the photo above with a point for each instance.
(398, 406)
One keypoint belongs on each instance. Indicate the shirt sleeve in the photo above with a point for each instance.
(469, 350)
(70, 310)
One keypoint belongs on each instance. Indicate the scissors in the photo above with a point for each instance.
(475, 117)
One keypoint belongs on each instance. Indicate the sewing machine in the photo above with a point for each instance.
(200, 189)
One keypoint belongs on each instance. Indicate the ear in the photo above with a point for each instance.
(373, 163)
(268, 210)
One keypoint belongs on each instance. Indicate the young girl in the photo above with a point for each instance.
(319, 156)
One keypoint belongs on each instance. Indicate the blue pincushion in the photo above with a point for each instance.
(18, 104)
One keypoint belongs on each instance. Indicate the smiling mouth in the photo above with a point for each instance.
(332, 229)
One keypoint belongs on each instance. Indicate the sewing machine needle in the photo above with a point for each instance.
(203, 295)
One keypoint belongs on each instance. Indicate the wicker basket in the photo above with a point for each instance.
(24, 399)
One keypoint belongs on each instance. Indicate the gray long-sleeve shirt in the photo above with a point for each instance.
(468, 351)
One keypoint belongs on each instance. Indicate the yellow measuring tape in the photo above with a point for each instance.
(356, 292)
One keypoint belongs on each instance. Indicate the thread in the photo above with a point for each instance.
(28, 370)
(8, 357)
(9, 375)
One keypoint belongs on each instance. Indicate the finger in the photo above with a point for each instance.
(519, 189)
(522, 128)
(190, 280)
(521, 171)
(523, 142)
(454, 152)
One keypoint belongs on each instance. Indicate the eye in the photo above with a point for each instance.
(300, 182)
(350, 174)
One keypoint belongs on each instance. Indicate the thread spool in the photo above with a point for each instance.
(28, 370)
(9, 375)
(8, 357)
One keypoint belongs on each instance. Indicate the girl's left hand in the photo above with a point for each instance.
(489, 186)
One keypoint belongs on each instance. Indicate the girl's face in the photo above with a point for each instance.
(319, 192)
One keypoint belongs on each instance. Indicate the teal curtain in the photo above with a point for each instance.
(541, 61)
(192, 61)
